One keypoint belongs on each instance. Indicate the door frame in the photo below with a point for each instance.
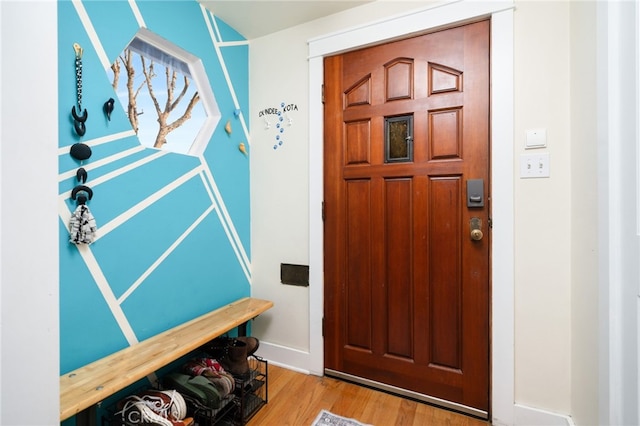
(502, 392)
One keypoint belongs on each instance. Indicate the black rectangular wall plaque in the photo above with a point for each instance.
(294, 274)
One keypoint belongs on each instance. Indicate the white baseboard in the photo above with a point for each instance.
(528, 416)
(282, 356)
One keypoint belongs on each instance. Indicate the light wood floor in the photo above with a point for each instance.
(296, 399)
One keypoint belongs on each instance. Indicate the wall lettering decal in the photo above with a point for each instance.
(277, 120)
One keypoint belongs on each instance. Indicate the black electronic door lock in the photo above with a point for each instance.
(475, 193)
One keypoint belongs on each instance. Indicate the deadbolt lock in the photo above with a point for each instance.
(476, 229)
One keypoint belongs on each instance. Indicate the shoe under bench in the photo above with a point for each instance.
(83, 388)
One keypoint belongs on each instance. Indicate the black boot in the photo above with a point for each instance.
(235, 359)
(252, 344)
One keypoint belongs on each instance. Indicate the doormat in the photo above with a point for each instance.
(326, 418)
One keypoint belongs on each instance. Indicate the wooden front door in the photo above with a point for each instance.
(406, 284)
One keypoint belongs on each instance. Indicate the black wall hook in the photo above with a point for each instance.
(80, 127)
(82, 193)
(82, 118)
(81, 175)
(108, 108)
(79, 120)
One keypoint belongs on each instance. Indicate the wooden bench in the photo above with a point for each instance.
(88, 385)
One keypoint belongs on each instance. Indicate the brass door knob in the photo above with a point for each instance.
(475, 226)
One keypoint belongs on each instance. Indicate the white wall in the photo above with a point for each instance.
(279, 187)
(584, 215)
(29, 345)
(542, 209)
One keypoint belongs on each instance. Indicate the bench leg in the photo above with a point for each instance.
(87, 417)
(242, 329)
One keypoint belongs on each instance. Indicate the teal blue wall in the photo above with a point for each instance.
(173, 230)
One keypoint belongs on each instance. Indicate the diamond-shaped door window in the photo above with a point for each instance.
(166, 94)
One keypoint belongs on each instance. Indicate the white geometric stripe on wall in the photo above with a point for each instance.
(211, 23)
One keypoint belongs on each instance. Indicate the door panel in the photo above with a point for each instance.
(359, 318)
(406, 288)
(444, 274)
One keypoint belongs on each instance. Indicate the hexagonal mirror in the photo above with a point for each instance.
(166, 94)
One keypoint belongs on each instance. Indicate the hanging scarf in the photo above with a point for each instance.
(82, 226)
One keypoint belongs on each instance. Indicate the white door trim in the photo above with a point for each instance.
(502, 151)
(618, 217)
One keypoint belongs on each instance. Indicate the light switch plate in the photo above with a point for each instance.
(535, 138)
(534, 165)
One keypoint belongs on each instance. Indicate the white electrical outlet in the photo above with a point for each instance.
(534, 165)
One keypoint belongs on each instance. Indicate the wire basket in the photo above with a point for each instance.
(207, 416)
(251, 393)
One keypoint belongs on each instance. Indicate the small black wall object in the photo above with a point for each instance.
(80, 151)
(82, 193)
(79, 121)
(80, 127)
(108, 108)
(81, 118)
(81, 175)
(294, 274)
